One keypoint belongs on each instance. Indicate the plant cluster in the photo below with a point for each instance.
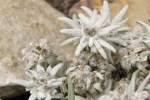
(111, 61)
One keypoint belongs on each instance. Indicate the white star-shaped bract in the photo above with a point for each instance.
(92, 29)
(42, 83)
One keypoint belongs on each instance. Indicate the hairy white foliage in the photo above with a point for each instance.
(38, 53)
(42, 83)
(92, 29)
(125, 91)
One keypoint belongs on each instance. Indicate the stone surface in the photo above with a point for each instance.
(22, 21)
(13, 91)
(138, 10)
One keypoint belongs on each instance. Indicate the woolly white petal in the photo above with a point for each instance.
(68, 20)
(33, 97)
(41, 94)
(120, 15)
(87, 10)
(80, 47)
(34, 73)
(147, 27)
(100, 49)
(56, 84)
(107, 45)
(70, 40)
(83, 18)
(72, 32)
(146, 80)
(117, 41)
(105, 10)
(56, 69)
(79, 98)
(131, 87)
(108, 29)
(105, 97)
(122, 29)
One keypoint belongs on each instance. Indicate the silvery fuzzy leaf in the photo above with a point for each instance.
(71, 95)
(87, 10)
(80, 47)
(56, 68)
(36, 75)
(70, 40)
(93, 49)
(72, 32)
(120, 15)
(97, 86)
(100, 49)
(93, 19)
(70, 69)
(121, 29)
(56, 84)
(79, 98)
(41, 95)
(106, 45)
(99, 75)
(88, 83)
(117, 41)
(145, 25)
(147, 43)
(105, 97)
(143, 84)
(131, 87)
(108, 29)
(108, 85)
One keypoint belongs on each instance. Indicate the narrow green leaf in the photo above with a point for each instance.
(71, 95)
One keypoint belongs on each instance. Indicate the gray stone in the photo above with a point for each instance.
(22, 21)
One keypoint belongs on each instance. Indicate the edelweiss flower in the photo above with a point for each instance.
(38, 53)
(136, 53)
(42, 83)
(125, 91)
(86, 80)
(94, 30)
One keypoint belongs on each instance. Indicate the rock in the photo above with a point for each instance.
(13, 91)
(62, 6)
(138, 10)
(22, 21)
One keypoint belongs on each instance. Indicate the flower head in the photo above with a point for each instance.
(42, 83)
(38, 53)
(129, 91)
(93, 29)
